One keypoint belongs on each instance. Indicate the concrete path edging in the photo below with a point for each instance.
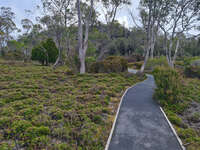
(172, 128)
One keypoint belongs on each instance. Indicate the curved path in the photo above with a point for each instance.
(141, 125)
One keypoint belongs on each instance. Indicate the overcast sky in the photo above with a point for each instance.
(19, 7)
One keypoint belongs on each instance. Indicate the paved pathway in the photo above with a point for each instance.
(141, 124)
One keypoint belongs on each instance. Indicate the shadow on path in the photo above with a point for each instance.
(140, 124)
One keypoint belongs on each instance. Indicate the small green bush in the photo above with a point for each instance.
(51, 49)
(176, 120)
(6, 146)
(46, 52)
(186, 133)
(110, 64)
(34, 132)
(39, 54)
(19, 127)
(156, 62)
(168, 83)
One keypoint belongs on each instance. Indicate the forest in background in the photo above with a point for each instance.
(161, 29)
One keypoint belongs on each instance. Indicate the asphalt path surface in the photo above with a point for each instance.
(140, 124)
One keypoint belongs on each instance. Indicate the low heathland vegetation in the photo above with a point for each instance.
(42, 108)
(180, 98)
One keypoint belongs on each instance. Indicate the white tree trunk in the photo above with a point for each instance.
(145, 60)
(175, 53)
(59, 60)
(83, 44)
(152, 49)
(82, 61)
(153, 40)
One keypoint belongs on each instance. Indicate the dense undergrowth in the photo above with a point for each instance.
(41, 108)
(110, 64)
(151, 64)
(180, 98)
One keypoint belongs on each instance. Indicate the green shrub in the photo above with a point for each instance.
(34, 132)
(19, 128)
(4, 122)
(176, 120)
(46, 52)
(168, 84)
(6, 146)
(39, 54)
(156, 62)
(51, 49)
(62, 146)
(110, 64)
(186, 133)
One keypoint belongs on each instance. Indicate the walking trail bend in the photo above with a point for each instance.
(140, 124)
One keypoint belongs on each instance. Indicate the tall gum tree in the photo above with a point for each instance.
(7, 25)
(110, 9)
(150, 14)
(83, 35)
(182, 17)
(59, 16)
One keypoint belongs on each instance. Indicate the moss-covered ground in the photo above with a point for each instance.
(42, 108)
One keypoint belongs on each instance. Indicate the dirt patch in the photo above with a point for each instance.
(191, 116)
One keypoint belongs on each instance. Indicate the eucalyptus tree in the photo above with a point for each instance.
(110, 9)
(7, 25)
(27, 25)
(181, 18)
(151, 13)
(59, 15)
(83, 19)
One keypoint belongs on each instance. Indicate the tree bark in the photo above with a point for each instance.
(154, 36)
(152, 49)
(145, 60)
(149, 37)
(83, 43)
(175, 54)
(80, 38)
(59, 60)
